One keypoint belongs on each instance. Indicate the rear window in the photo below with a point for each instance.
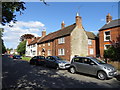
(41, 57)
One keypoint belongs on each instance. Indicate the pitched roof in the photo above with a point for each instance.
(63, 32)
(90, 35)
(34, 41)
(111, 24)
(29, 41)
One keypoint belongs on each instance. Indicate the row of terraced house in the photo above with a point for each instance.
(74, 40)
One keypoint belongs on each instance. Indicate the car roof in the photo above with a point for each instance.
(82, 57)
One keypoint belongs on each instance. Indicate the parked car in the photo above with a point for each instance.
(17, 57)
(93, 66)
(37, 60)
(10, 56)
(56, 62)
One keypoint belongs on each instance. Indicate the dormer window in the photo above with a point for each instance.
(107, 36)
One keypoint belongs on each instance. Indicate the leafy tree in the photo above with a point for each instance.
(21, 47)
(9, 9)
(2, 46)
(113, 52)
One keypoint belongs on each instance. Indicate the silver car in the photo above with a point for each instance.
(93, 66)
(56, 62)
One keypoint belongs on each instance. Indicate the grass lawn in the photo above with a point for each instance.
(26, 58)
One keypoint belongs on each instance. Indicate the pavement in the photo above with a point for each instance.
(20, 74)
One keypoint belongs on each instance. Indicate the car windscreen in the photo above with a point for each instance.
(99, 61)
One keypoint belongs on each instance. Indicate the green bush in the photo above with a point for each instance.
(113, 53)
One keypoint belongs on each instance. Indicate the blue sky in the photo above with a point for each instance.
(92, 13)
(50, 17)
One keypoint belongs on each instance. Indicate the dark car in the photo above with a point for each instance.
(57, 62)
(17, 57)
(10, 56)
(37, 60)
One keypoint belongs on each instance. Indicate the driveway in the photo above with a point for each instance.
(20, 74)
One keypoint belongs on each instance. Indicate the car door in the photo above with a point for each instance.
(52, 62)
(78, 63)
(89, 67)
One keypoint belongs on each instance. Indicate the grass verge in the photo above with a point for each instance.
(26, 58)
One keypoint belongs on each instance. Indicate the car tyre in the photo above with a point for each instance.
(57, 67)
(72, 70)
(101, 75)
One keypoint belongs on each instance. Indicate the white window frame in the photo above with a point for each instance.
(48, 43)
(39, 45)
(106, 36)
(89, 42)
(44, 44)
(49, 52)
(91, 51)
(61, 40)
(61, 52)
(105, 46)
(34, 52)
(39, 52)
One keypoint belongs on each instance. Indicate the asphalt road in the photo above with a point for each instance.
(20, 74)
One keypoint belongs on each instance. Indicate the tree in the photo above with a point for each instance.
(2, 42)
(9, 9)
(21, 47)
(113, 52)
(3, 47)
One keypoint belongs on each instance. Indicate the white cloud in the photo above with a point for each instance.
(11, 35)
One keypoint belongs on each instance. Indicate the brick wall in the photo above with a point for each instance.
(115, 36)
(54, 46)
(92, 46)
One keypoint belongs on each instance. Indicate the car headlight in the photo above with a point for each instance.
(60, 63)
(108, 68)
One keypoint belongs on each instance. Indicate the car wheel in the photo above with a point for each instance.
(57, 67)
(72, 70)
(31, 62)
(102, 75)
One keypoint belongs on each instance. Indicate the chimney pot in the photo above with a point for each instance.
(43, 32)
(78, 20)
(62, 24)
(108, 18)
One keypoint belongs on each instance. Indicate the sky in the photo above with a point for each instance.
(39, 16)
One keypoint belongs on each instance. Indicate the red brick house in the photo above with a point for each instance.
(68, 41)
(110, 32)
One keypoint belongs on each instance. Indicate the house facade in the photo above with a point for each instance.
(109, 33)
(31, 47)
(68, 42)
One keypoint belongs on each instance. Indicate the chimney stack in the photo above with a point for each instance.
(62, 25)
(78, 20)
(108, 18)
(43, 33)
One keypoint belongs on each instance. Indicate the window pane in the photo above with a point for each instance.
(91, 51)
(107, 33)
